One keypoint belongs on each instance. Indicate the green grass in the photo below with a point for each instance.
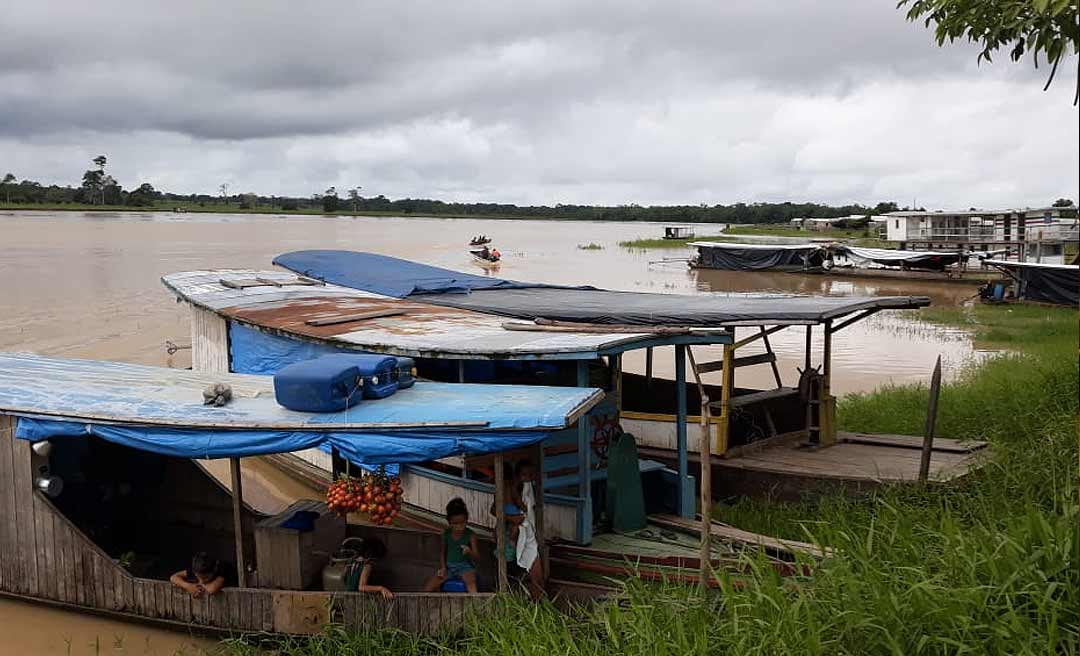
(857, 237)
(591, 246)
(668, 243)
(984, 566)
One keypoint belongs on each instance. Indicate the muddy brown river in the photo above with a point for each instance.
(86, 285)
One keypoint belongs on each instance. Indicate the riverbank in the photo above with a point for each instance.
(985, 566)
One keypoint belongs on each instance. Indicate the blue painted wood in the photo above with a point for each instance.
(686, 501)
(584, 451)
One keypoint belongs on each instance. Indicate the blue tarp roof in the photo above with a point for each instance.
(161, 410)
(389, 276)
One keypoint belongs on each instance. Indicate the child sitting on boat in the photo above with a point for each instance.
(204, 577)
(370, 553)
(458, 550)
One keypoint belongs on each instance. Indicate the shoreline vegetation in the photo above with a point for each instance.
(600, 214)
(985, 565)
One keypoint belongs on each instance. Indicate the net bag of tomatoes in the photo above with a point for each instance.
(375, 494)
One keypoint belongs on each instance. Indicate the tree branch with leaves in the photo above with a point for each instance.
(1047, 29)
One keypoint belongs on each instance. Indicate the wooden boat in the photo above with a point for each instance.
(129, 430)
(237, 320)
(800, 258)
(484, 256)
(100, 499)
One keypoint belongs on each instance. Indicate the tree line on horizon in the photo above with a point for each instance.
(100, 188)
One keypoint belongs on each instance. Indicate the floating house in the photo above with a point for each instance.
(678, 232)
(467, 328)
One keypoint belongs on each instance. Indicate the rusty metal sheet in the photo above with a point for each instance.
(422, 330)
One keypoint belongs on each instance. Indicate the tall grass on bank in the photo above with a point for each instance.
(987, 565)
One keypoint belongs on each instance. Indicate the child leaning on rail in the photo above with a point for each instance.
(458, 550)
(204, 577)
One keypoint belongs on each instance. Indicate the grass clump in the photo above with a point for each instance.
(668, 243)
(591, 246)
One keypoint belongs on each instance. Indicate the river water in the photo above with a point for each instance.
(86, 285)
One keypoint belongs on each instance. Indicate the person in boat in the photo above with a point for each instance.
(523, 551)
(370, 554)
(519, 487)
(495, 255)
(459, 548)
(205, 576)
(485, 252)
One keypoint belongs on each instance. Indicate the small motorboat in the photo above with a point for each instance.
(484, 255)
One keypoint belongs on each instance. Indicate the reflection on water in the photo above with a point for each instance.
(37, 630)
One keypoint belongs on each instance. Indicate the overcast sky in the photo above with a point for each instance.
(832, 101)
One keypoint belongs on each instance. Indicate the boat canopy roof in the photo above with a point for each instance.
(733, 246)
(895, 257)
(1044, 283)
(161, 410)
(282, 303)
(588, 304)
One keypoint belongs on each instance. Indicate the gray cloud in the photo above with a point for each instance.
(836, 101)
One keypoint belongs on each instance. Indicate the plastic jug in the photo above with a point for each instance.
(336, 572)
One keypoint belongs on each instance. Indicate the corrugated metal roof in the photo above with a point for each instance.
(424, 330)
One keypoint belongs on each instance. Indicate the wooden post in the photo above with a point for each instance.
(705, 456)
(538, 508)
(648, 368)
(809, 342)
(584, 464)
(827, 409)
(616, 382)
(686, 505)
(500, 522)
(238, 528)
(728, 386)
(931, 422)
(335, 463)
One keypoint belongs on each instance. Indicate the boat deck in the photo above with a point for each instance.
(857, 462)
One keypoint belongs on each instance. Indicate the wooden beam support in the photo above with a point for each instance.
(686, 506)
(859, 317)
(809, 343)
(584, 448)
(238, 526)
(500, 522)
(745, 361)
(753, 338)
(538, 508)
(768, 349)
(648, 367)
(705, 458)
(827, 409)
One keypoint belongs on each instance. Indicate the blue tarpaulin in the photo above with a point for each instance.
(161, 410)
(389, 276)
(256, 352)
(362, 448)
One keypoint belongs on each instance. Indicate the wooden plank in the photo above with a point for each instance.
(107, 582)
(941, 445)
(41, 516)
(300, 612)
(26, 553)
(349, 318)
(48, 546)
(744, 361)
(62, 578)
(8, 538)
(209, 341)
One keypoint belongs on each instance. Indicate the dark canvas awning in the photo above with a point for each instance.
(1043, 283)
(582, 304)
